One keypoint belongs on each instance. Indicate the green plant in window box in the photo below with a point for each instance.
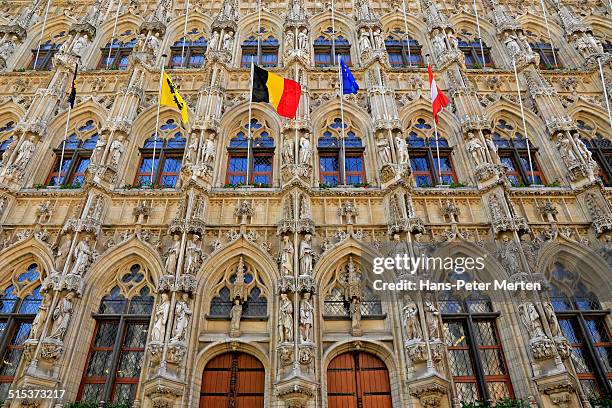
(457, 185)
(82, 404)
(325, 185)
(503, 403)
(605, 402)
(40, 186)
(555, 183)
(262, 185)
(364, 185)
(70, 186)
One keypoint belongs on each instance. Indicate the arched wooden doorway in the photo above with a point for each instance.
(233, 380)
(358, 379)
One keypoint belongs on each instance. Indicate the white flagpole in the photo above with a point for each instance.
(110, 48)
(603, 84)
(436, 134)
(61, 177)
(406, 31)
(342, 153)
(518, 89)
(161, 78)
(552, 46)
(248, 173)
(42, 34)
(184, 33)
(333, 56)
(484, 62)
(258, 33)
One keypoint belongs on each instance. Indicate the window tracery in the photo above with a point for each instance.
(423, 154)
(600, 146)
(116, 55)
(474, 50)
(189, 51)
(324, 46)
(340, 163)
(263, 52)
(259, 165)
(403, 51)
(46, 51)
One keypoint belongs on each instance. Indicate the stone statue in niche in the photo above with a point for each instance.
(285, 319)
(25, 152)
(305, 150)
(116, 150)
(306, 318)
(161, 318)
(194, 255)
(82, 256)
(61, 317)
(235, 315)
(303, 41)
(551, 317)
(41, 315)
(289, 41)
(476, 149)
(172, 254)
(355, 311)
(62, 251)
(288, 153)
(228, 41)
(384, 150)
(432, 321)
(96, 156)
(214, 41)
(208, 151)
(364, 41)
(306, 255)
(402, 150)
(182, 313)
(287, 257)
(411, 321)
(530, 317)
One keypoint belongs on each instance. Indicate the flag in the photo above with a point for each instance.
(282, 93)
(170, 96)
(349, 84)
(72, 94)
(438, 99)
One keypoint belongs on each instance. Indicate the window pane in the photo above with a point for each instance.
(498, 390)
(130, 363)
(466, 392)
(106, 335)
(329, 164)
(423, 181)
(238, 164)
(125, 392)
(92, 392)
(419, 164)
(99, 363)
(445, 164)
(136, 336)
(354, 164)
(263, 164)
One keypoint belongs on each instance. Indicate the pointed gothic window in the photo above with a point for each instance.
(333, 153)
(18, 307)
(600, 147)
(188, 51)
(42, 56)
(514, 155)
(423, 152)
(403, 52)
(260, 162)
(476, 355)
(324, 47)
(116, 353)
(161, 157)
(549, 57)
(583, 323)
(476, 53)
(73, 156)
(117, 54)
(263, 52)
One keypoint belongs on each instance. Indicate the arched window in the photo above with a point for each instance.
(358, 379)
(259, 164)
(264, 53)
(77, 149)
(17, 312)
(514, 156)
(188, 51)
(583, 323)
(474, 50)
(233, 379)
(476, 355)
(607, 46)
(540, 44)
(117, 348)
(332, 154)
(423, 154)
(599, 146)
(403, 51)
(45, 53)
(116, 55)
(6, 138)
(163, 168)
(323, 49)
(254, 306)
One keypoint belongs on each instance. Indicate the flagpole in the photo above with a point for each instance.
(161, 78)
(247, 182)
(333, 18)
(76, 67)
(42, 34)
(552, 47)
(184, 33)
(61, 177)
(406, 31)
(258, 33)
(435, 133)
(296, 150)
(518, 89)
(603, 83)
(342, 153)
(484, 63)
(110, 48)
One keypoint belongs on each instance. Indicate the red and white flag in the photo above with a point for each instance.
(438, 99)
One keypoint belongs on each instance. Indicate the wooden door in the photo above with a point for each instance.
(358, 380)
(233, 380)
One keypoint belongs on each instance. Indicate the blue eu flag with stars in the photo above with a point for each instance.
(349, 84)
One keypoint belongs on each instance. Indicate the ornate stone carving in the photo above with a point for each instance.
(285, 320)
(160, 319)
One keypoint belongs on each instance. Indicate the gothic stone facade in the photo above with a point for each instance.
(235, 272)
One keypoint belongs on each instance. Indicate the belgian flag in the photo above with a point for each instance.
(282, 93)
(72, 94)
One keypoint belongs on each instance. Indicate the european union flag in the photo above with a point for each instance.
(349, 84)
